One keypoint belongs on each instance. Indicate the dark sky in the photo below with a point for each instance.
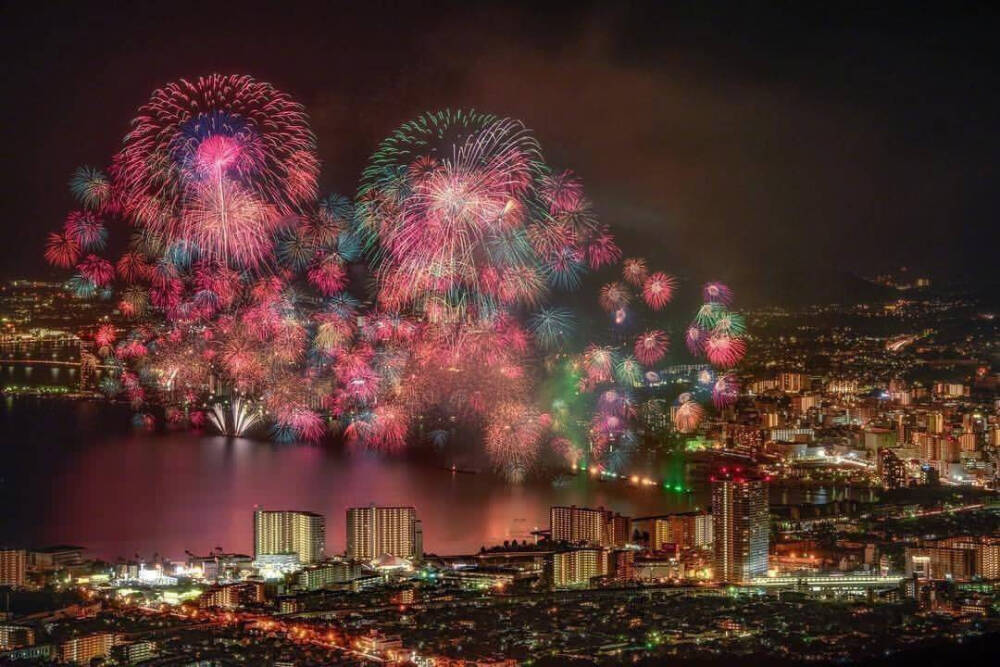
(755, 145)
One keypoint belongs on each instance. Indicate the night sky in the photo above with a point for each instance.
(771, 148)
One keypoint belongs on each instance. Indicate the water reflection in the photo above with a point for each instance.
(78, 474)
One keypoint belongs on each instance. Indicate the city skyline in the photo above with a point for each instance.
(441, 335)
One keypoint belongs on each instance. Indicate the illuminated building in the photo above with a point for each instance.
(935, 422)
(792, 383)
(232, 596)
(967, 442)
(12, 567)
(960, 558)
(376, 531)
(55, 557)
(82, 650)
(687, 530)
(622, 566)
(16, 636)
(745, 439)
(585, 525)
(739, 525)
(878, 438)
(891, 469)
(950, 389)
(576, 568)
(618, 529)
(288, 532)
(321, 576)
(134, 652)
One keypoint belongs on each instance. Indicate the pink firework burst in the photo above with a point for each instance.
(651, 346)
(602, 249)
(86, 229)
(105, 335)
(694, 339)
(725, 391)
(724, 351)
(563, 191)
(328, 275)
(97, 269)
(658, 290)
(717, 293)
(61, 250)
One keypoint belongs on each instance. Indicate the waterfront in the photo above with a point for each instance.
(79, 474)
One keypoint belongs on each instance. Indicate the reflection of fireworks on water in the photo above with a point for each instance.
(236, 418)
(513, 435)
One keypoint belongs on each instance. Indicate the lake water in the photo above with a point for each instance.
(75, 472)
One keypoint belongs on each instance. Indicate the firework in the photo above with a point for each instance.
(717, 293)
(724, 351)
(216, 129)
(730, 324)
(97, 270)
(105, 335)
(513, 435)
(634, 271)
(61, 250)
(708, 314)
(651, 346)
(658, 290)
(86, 229)
(628, 372)
(725, 391)
(235, 419)
(614, 296)
(694, 338)
(688, 416)
(91, 187)
(552, 326)
(598, 362)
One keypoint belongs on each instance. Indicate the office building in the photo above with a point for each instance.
(13, 564)
(739, 525)
(376, 531)
(287, 532)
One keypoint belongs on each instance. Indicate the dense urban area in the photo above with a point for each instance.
(897, 397)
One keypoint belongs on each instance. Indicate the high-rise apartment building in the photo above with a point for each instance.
(793, 382)
(289, 532)
(81, 650)
(12, 567)
(375, 531)
(739, 525)
(596, 527)
(891, 469)
(688, 530)
(578, 567)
